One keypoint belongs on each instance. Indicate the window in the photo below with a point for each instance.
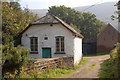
(45, 38)
(59, 44)
(34, 44)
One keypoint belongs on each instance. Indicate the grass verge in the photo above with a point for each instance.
(83, 62)
(58, 72)
(105, 71)
(51, 73)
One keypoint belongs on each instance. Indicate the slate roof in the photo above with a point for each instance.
(46, 19)
(50, 19)
(108, 25)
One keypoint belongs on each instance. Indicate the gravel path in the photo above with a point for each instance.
(89, 70)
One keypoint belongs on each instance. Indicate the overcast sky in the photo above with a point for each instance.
(45, 4)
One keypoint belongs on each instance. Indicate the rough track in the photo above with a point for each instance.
(88, 71)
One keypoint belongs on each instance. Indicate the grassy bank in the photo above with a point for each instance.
(105, 71)
(111, 68)
(51, 73)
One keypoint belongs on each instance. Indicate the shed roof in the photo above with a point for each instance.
(110, 26)
(50, 19)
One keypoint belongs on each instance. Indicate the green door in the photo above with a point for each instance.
(46, 52)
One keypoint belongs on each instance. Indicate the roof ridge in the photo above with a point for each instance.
(57, 20)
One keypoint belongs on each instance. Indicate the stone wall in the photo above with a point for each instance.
(51, 63)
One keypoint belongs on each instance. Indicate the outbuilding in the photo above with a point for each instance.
(50, 37)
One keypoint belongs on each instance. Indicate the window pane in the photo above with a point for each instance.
(60, 44)
(31, 40)
(34, 44)
(57, 44)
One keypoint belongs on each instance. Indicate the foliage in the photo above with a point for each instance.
(55, 72)
(117, 12)
(14, 20)
(85, 22)
(75, 27)
(115, 61)
(105, 71)
(13, 58)
(111, 67)
(51, 73)
(83, 62)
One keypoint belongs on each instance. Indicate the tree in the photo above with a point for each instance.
(14, 20)
(75, 27)
(85, 22)
(117, 12)
(118, 4)
(13, 58)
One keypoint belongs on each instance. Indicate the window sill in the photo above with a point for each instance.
(59, 53)
(33, 52)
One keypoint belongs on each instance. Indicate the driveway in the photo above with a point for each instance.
(89, 70)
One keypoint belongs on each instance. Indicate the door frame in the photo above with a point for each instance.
(47, 48)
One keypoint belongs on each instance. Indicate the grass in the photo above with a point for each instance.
(52, 73)
(83, 62)
(92, 66)
(105, 71)
(57, 72)
(98, 54)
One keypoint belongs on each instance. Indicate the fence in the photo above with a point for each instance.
(51, 63)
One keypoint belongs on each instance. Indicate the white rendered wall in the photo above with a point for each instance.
(51, 32)
(77, 50)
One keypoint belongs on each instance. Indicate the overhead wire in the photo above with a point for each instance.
(92, 5)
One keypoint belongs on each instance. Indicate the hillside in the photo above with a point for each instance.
(103, 11)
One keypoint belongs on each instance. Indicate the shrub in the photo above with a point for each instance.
(13, 58)
(111, 68)
(115, 61)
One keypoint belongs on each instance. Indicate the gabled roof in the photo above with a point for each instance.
(50, 19)
(110, 26)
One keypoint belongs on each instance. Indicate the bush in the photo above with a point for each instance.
(111, 68)
(13, 58)
(106, 71)
(115, 61)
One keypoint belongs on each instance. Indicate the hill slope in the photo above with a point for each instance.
(103, 11)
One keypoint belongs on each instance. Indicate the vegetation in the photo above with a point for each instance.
(83, 62)
(13, 58)
(92, 66)
(105, 71)
(111, 67)
(87, 23)
(51, 73)
(14, 20)
(99, 53)
(117, 12)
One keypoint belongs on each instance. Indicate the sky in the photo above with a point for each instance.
(45, 4)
